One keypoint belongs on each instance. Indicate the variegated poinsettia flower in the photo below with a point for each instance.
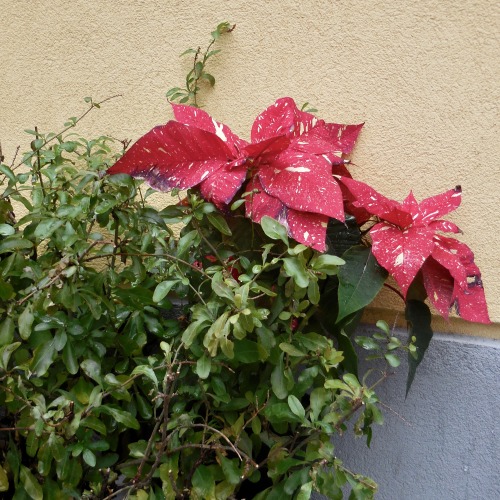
(288, 162)
(406, 241)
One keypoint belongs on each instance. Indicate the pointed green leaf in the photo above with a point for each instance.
(163, 289)
(218, 221)
(30, 484)
(418, 316)
(43, 357)
(360, 280)
(25, 322)
(278, 382)
(148, 372)
(274, 229)
(295, 269)
(296, 406)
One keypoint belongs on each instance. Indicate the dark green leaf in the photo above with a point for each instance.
(203, 482)
(278, 382)
(218, 221)
(246, 351)
(418, 316)
(360, 280)
(6, 331)
(30, 484)
(43, 357)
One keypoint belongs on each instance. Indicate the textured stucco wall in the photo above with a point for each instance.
(422, 75)
(442, 441)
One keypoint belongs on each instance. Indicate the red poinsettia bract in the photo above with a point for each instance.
(288, 163)
(405, 241)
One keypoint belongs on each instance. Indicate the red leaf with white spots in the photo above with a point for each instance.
(265, 150)
(401, 252)
(303, 182)
(376, 204)
(330, 140)
(460, 250)
(196, 117)
(470, 302)
(173, 156)
(221, 187)
(444, 226)
(282, 118)
(436, 206)
(308, 229)
(259, 204)
(439, 285)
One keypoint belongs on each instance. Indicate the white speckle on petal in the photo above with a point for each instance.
(399, 259)
(205, 174)
(298, 169)
(218, 130)
(306, 235)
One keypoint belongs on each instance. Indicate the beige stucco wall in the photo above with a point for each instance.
(422, 75)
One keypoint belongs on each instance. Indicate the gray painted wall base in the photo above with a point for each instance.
(443, 441)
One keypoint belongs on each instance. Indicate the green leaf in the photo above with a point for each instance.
(305, 491)
(203, 366)
(278, 382)
(274, 229)
(6, 230)
(5, 354)
(313, 292)
(326, 263)
(246, 351)
(30, 484)
(69, 358)
(4, 480)
(25, 322)
(318, 400)
(45, 228)
(366, 343)
(360, 280)
(7, 331)
(185, 242)
(89, 458)
(10, 244)
(230, 469)
(296, 406)
(218, 221)
(124, 417)
(419, 318)
(148, 372)
(295, 269)
(291, 350)
(163, 289)
(92, 369)
(203, 482)
(220, 288)
(392, 359)
(337, 384)
(43, 357)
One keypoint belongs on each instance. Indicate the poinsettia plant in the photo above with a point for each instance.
(294, 171)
